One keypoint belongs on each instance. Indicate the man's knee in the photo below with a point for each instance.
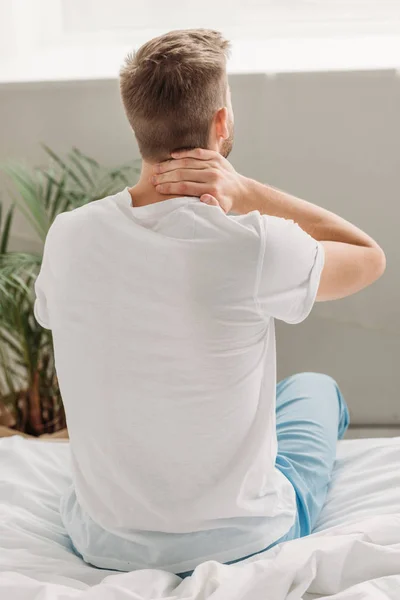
(324, 386)
(315, 392)
(315, 378)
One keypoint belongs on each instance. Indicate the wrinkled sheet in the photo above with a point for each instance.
(353, 555)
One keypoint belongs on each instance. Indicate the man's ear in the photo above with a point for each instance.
(221, 119)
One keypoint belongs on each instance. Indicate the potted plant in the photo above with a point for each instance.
(30, 399)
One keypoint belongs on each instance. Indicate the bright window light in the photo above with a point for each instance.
(75, 39)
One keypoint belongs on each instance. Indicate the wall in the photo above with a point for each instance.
(332, 138)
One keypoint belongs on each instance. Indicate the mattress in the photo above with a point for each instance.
(354, 552)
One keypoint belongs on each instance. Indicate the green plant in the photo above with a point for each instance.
(29, 392)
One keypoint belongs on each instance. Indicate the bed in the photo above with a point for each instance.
(354, 553)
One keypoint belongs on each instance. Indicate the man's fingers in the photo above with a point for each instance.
(196, 175)
(199, 153)
(208, 199)
(181, 163)
(183, 188)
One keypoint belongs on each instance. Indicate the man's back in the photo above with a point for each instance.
(166, 364)
(162, 310)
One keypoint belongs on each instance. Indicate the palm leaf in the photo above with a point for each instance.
(7, 370)
(58, 202)
(78, 161)
(7, 338)
(64, 166)
(27, 367)
(4, 237)
(14, 267)
(48, 184)
(15, 262)
(88, 159)
(30, 198)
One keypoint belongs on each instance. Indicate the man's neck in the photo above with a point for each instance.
(144, 192)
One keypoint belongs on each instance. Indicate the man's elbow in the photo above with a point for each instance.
(348, 269)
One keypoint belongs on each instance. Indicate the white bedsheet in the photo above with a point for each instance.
(355, 554)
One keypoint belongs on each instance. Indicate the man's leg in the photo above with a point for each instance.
(311, 415)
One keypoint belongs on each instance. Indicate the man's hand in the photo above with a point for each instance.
(202, 173)
(353, 260)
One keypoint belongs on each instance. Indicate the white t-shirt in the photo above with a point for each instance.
(163, 327)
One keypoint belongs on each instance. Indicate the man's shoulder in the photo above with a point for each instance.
(66, 228)
(252, 221)
(86, 213)
(91, 208)
(264, 223)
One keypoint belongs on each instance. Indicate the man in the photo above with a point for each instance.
(162, 308)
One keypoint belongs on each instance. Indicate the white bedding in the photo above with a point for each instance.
(355, 554)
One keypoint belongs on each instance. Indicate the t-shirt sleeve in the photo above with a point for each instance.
(40, 309)
(44, 282)
(290, 267)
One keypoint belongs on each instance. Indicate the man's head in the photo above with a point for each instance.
(176, 95)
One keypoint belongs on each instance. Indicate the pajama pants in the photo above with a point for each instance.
(311, 415)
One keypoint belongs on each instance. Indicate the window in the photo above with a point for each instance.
(238, 19)
(88, 38)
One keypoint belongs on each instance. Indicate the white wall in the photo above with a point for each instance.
(332, 138)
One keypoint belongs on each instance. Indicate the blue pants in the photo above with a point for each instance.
(311, 415)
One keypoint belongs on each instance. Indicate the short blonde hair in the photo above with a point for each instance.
(172, 87)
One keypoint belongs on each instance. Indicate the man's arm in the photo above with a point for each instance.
(353, 260)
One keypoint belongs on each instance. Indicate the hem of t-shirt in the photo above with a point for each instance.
(237, 553)
(232, 554)
(246, 552)
(312, 286)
